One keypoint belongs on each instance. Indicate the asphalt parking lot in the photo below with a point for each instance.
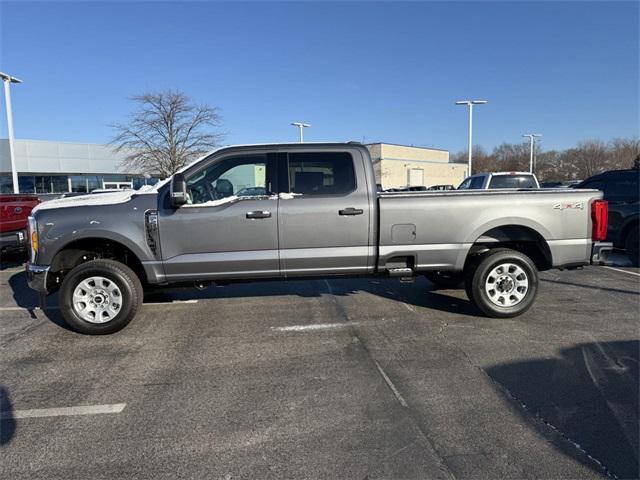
(354, 378)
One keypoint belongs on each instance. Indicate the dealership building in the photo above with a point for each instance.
(407, 166)
(47, 167)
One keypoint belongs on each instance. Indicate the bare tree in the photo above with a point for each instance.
(166, 131)
(589, 157)
(624, 151)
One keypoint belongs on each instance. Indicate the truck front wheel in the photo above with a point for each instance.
(503, 284)
(100, 297)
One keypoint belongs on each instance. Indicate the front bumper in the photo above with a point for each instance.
(600, 252)
(16, 239)
(37, 277)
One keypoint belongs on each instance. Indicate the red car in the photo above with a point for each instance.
(14, 211)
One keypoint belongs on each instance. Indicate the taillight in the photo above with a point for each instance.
(599, 219)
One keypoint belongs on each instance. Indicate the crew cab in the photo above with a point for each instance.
(14, 211)
(316, 213)
(483, 181)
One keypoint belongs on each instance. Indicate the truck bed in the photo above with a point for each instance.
(420, 225)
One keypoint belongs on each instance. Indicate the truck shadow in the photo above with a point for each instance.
(7, 422)
(25, 297)
(12, 259)
(420, 294)
(589, 395)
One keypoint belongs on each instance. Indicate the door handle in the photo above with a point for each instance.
(259, 214)
(351, 211)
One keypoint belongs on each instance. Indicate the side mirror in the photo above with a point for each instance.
(178, 191)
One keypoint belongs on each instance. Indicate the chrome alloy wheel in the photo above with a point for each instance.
(97, 300)
(506, 285)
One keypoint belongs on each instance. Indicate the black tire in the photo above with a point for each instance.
(480, 271)
(631, 245)
(122, 276)
(445, 279)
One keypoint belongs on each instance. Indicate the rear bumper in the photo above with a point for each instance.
(600, 252)
(37, 277)
(15, 239)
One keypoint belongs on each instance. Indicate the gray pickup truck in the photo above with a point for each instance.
(292, 211)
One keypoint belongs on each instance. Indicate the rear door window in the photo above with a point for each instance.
(322, 173)
(513, 181)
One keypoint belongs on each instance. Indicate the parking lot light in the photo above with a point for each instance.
(470, 104)
(8, 80)
(301, 126)
(532, 149)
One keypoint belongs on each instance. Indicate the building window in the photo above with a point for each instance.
(26, 184)
(79, 184)
(6, 184)
(93, 182)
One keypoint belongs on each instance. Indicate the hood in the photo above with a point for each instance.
(97, 199)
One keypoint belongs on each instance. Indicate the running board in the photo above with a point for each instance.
(405, 274)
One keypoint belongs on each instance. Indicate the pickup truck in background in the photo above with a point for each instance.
(14, 211)
(317, 213)
(622, 191)
(484, 181)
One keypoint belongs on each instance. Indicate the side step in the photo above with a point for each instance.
(405, 274)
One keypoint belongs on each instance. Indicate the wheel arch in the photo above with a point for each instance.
(522, 238)
(81, 250)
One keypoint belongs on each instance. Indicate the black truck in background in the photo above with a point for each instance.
(622, 190)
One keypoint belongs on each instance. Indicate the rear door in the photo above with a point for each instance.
(324, 213)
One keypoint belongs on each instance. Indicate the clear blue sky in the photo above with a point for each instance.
(379, 71)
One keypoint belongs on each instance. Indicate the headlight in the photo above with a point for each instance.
(33, 238)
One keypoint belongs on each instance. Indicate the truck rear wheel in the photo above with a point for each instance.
(100, 297)
(632, 245)
(503, 284)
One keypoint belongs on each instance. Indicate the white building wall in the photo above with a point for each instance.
(41, 156)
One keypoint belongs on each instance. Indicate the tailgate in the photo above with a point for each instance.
(14, 210)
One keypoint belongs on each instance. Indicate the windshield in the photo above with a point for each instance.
(513, 181)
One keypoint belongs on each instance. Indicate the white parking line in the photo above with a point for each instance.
(64, 411)
(624, 271)
(314, 327)
(18, 309)
(171, 302)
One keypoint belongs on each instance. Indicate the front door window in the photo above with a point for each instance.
(235, 177)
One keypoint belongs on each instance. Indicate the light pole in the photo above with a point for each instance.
(470, 103)
(7, 80)
(532, 149)
(301, 126)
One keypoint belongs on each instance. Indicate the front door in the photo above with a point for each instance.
(324, 214)
(228, 228)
